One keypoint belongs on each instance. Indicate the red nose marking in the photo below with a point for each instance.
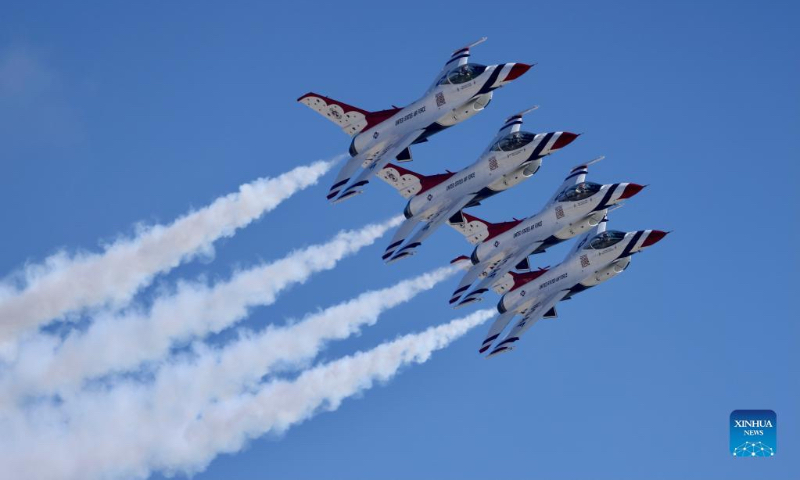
(564, 139)
(517, 71)
(654, 237)
(630, 190)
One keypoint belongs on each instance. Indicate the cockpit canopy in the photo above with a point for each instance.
(513, 141)
(462, 74)
(605, 240)
(579, 192)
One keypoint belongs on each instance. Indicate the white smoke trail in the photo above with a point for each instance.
(45, 369)
(244, 363)
(63, 283)
(117, 342)
(131, 431)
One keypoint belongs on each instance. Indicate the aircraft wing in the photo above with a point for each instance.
(474, 229)
(378, 161)
(496, 272)
(434, 222)
(458, 58)
(408, 183)
(542, 309)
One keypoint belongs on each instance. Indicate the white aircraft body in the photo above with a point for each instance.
(576, 207)
(460, 91)
(598, 256)
(512, 157)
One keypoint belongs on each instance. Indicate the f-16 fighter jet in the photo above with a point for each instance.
(597, 256)
(576, 207)
(512, 156)
(459, 91)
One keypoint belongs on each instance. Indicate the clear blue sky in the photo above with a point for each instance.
(137, 112)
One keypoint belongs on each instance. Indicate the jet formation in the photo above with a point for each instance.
(500, 260)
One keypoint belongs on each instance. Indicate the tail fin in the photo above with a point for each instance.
(476, 230)
(409, 183)
(349, 118)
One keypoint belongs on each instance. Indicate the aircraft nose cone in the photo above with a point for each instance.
(517, 71)
(564, 139)
(630, 190)
(654, 237)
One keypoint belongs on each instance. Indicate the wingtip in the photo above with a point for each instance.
(468, 300)
(346, 195)
(458, 305)
(498, 351)
(529, 110)
(479, 41)
(400, 256)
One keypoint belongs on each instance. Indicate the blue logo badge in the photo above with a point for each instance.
(753, 433)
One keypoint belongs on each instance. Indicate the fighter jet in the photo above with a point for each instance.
(598, 256)
(576, 207)
(459, 91)
(511, 157)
